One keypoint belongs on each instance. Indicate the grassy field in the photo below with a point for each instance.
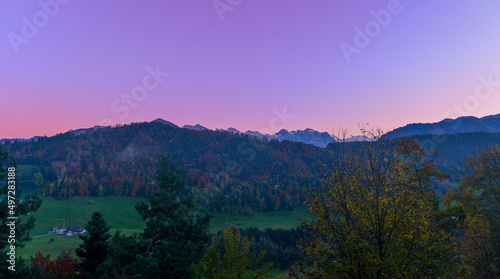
(121, 215)
(118, 211)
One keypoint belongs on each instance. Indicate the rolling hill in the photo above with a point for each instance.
(466, 124)
(226, 170)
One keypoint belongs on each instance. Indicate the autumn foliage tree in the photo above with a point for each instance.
(61, 267)
(376, 216)
(476, 207)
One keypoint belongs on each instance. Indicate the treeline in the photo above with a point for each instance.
(227, 172)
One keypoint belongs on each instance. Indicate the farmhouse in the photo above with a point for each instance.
(72, 230)
(69, 231)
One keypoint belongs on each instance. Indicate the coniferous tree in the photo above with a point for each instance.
(175, 236)
(235, 262)
(94, 249)
(121, 262)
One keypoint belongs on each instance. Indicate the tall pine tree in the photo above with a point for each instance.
(176, 234)
(94, 249)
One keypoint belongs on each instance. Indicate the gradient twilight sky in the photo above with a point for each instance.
(238, 67)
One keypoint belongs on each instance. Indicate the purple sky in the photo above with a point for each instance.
(88, 62)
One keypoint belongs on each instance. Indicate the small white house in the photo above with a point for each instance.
(73, 230)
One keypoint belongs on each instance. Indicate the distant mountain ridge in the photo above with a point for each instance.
(76, 132)
(196, 127)
(307, 136)
(168, 123)
(2, 141)
(84, 130)
(464, 124)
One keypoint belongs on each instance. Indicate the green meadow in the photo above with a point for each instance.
(121, 214)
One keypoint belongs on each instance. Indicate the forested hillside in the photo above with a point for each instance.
(454, 149)
(228, 172)
(464, 124)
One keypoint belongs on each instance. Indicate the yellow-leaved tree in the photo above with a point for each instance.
(476, 207)
(376, 215)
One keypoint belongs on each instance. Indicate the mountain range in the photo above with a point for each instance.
(2, 141)
(465, 124)
(226, 169)
(308, 136)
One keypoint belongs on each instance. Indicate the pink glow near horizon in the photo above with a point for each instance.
(71, 64)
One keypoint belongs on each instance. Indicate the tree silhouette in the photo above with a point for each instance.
(94, 249)
(176, 234)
